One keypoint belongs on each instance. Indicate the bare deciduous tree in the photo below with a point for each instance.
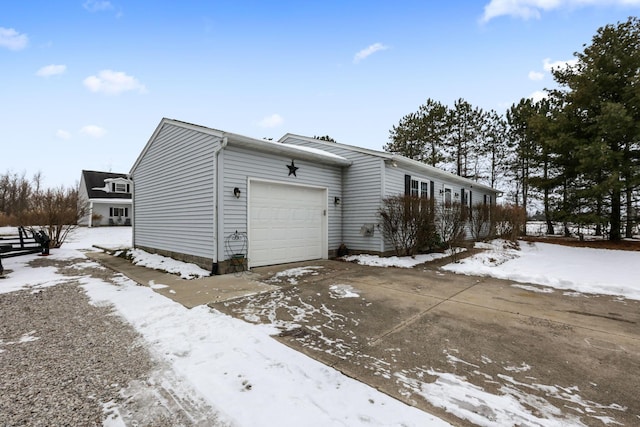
(24, 202)
(479, 224)
(56, 212)
(508, 221)
(408, 223)
(450, 221)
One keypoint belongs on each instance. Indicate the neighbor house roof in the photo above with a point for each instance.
(396, 159)
(95, 184)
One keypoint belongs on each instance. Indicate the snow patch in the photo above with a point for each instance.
(343, 291)
(534, 289)
(293, 274)
(394, 261)
(170, 265)
(523, 367)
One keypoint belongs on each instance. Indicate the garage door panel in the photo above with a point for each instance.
(287, 223)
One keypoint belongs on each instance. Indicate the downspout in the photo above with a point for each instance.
(133, 212)
(90, 214)
(218, 195)
(342, 195)
(383, 191)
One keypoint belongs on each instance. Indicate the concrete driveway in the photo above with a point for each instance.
(474, 351)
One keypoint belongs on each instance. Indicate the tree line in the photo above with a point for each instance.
(575, 153)
(24, 202)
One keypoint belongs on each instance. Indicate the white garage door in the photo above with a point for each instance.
(287, 223)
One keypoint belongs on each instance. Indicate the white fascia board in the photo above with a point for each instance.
(439, 173)
(400, 160)
(121, 201)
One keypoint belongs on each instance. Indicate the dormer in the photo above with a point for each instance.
(117, 185)
(105, 185)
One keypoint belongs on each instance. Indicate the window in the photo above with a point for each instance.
(118, 212)
(415, 185)
(120, 187)
(419, 188)
(424, 190)
(447, 197)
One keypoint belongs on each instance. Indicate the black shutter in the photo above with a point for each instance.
(110, 211)
(485, 199)
(432, 190)
(463, 200)
(470, 198)
(113, 187)
(128, 189)
(126, 212)
(407, 185)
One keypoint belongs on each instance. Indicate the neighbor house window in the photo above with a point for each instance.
(118, 212)
(119, 187)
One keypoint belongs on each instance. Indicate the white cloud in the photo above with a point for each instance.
(97, 5)
(536, 75)
(549, 66)
(557, 65)
(271, 121)
(527, 9)
(63, 134)
(113, 82)
(93, 131)
(12, 40)
(538, 95)
(51, 70)
(368, 51)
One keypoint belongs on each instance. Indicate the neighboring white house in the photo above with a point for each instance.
(211, 197)
(106, 198)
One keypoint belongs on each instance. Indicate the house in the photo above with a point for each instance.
(106, 198)
(212, 197)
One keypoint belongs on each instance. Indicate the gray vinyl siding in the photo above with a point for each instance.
(362, 199)
(394, 185)
(241, 164)
(174, 201)
(394, 181)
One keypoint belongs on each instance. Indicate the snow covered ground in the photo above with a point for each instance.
(244, 374)
(393, 261)
(252, 379)
(585, 270)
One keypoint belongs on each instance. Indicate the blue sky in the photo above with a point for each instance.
(83, 84)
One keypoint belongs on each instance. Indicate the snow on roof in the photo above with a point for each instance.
(315, 150)
(289, 149)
